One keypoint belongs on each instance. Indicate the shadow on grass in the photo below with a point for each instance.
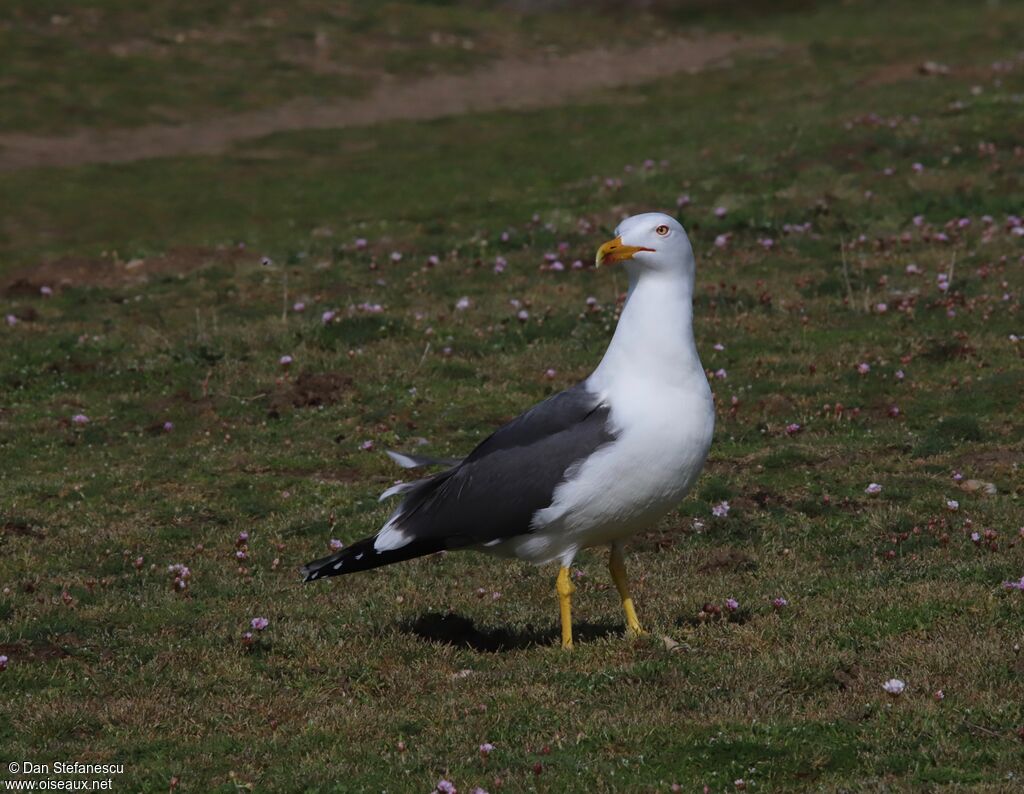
(461, 632)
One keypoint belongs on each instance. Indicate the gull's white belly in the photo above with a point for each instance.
(663, 437)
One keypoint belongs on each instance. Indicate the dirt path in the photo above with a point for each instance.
(504, 85)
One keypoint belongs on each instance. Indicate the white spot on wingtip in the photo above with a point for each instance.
(359, 556)
(337, 565)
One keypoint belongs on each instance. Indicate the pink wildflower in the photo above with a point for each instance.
(181, 575)
(894, 686)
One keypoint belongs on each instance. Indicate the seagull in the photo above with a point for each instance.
(589, 466)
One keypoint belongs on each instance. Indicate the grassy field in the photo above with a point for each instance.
(859, 312)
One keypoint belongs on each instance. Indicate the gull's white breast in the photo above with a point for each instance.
(663, 434)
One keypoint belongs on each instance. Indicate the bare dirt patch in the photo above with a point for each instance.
(921, 70)
(111, 272)
(311, 390)
(506, 84)
(32, 652)
(727, 560)
(1004, 461)
(23, 528)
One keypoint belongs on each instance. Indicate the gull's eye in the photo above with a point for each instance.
(662, 230)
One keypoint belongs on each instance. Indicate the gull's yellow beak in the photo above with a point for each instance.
(616, 251)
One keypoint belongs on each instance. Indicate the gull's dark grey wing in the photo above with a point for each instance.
(491, 495)
(558, 414)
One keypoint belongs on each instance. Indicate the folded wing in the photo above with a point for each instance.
(494, 493)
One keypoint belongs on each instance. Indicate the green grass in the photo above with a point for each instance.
(163, 312)
(112, 63)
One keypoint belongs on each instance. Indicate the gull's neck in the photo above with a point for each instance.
(654, 338)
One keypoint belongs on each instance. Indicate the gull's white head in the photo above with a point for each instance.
(652, 241)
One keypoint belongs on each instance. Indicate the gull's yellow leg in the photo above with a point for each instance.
(565, 589)
(617, 566)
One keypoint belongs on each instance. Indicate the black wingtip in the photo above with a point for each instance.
(325, 566)
(362, 556)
